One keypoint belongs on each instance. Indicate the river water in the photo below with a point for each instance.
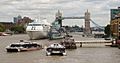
(99, 54)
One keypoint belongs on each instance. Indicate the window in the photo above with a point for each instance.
(15, 45)
(34, 24)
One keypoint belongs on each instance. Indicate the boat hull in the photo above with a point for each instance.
(54, 51)
(37, 34)
(30, 49)
(21, 50)
(12, 50)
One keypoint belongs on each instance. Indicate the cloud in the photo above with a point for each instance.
(99, 9)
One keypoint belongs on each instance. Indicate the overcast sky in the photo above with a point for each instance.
(99, 9)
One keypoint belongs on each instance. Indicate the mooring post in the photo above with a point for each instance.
(80, 44)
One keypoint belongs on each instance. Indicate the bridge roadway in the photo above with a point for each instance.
(73, 17)
(81, 41)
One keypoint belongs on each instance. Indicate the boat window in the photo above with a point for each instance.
(34, 45)
(29, 45)
(30, 25)
(24, 46)
(15, 45)
(35, 25)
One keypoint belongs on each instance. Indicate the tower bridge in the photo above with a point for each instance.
(86, 17)
(73, 17)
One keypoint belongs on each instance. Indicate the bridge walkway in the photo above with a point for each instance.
(80, 43)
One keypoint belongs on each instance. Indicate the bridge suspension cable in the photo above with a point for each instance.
(98, 26)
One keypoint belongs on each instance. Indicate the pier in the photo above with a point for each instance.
(80, 43)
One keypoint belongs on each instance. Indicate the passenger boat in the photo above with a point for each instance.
(38, 29)
(55, 49)
(69, 43)
(23, 46)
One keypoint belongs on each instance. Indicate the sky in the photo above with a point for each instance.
(99, 10)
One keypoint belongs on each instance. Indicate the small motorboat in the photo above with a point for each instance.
(4, 34)
(69, 43)
(23, 46)
(55, 49)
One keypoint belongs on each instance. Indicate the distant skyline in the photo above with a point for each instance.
(99, 9)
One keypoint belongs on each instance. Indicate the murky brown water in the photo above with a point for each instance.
(80, 55)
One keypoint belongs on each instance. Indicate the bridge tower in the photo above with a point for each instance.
(87, 30)
(58, 18)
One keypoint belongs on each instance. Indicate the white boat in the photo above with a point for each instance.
(23, 46)
(55, 49)
(37, 29)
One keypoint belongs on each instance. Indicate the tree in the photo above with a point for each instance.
(2, 28)
(107, 30)
(18, 29)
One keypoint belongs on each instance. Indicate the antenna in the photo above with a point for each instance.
(39, 17)
(87, 10)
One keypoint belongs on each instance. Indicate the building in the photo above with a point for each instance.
(17, 19)
(7, 25)
(115, 22)
(115, 27)
(22, 21)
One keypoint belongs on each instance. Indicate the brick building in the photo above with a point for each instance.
(115, 22)
(7, 25)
